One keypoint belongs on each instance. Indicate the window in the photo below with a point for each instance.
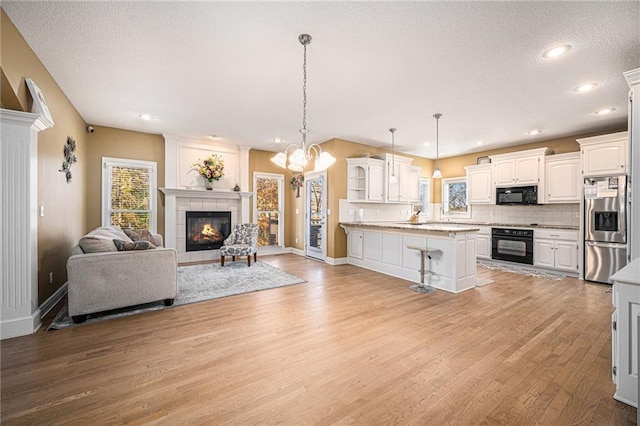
(425, 193)
(267, 210)
(454, 198)
(129, 193)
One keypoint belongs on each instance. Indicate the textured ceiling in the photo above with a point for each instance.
(234, 69)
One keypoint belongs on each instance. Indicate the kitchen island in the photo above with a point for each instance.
(384, 247)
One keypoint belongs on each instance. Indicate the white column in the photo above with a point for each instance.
(633, 237)
(244, 169)
(19, 217)
(244, 206)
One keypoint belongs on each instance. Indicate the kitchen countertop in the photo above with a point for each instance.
(456, 226)
(432, 226)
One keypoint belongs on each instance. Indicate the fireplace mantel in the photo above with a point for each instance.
(199, 193)
(237, 201)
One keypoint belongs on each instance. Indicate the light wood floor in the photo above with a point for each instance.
(350, 346)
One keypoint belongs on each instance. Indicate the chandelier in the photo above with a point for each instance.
(303, 154)
(436, 173)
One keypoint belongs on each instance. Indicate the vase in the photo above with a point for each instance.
(208, 184)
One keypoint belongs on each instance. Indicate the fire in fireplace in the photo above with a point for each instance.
(207, 230)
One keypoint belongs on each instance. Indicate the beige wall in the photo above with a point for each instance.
(118, 143)
(65, 219)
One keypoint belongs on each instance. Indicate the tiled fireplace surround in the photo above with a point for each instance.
(185, 190)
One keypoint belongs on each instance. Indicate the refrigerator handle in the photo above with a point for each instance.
(605, 245)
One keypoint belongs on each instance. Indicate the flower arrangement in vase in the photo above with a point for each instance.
(211, 168)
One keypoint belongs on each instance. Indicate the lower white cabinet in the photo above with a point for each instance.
(624, 329)
(355, 243)
(385, 250)
(556, 249)
(483, 242)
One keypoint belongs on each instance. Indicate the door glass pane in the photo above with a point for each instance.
(315, 213)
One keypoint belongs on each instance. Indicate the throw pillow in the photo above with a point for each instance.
(140, 235)
(135, 245)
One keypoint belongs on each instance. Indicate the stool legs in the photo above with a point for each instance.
(422, 288)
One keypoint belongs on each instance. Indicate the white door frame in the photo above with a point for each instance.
(313, 252)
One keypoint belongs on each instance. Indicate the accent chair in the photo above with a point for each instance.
(243, 241)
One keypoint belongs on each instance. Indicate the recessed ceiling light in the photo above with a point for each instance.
(427, 143)
(586, 87)
(277, 140)
(146, 117)
(556, 51)
(605, 111)
(480, 143)
(215, 137)
(534, 132)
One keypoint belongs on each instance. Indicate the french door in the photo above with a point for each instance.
(268, 209)
(315, 217)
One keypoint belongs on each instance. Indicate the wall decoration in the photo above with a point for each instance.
(69, 158)
(296, 183)
(39, 104)
(483, 160)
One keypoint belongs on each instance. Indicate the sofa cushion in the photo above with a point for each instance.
(133, 245)
(140, 235)
(101, 239)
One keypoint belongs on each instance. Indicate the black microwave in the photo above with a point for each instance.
(517, 195)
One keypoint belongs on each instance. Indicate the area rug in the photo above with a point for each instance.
(522, 271)
(197, 283)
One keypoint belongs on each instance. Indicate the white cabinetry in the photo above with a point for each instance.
(519, 168)
(633, 80)
(480, 184)
(626, 300)
(365, 179)
(483, 242)
(556, 249)
(355, 243)
(562, 178)
(604, 155)
(406, 177)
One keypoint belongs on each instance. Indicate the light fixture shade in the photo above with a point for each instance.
(324, 161)
(393, 179)
(295, 168)
(437, 174)
(298, 158)
(280, 160)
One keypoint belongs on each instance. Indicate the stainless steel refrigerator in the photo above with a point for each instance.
(605, 250)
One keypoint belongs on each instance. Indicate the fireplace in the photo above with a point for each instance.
(207, 230)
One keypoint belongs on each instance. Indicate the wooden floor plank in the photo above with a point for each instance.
(349, 346)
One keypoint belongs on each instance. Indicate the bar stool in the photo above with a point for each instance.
(424, 254)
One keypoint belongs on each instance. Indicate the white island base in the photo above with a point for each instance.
(383, 248)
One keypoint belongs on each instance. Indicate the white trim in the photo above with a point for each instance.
(337, 261)
(281, 210)
(297, 251)
(107, 163)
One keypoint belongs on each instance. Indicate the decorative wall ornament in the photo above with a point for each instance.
(69, 158)
(296, 183)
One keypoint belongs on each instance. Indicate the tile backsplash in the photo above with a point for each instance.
(548, 214)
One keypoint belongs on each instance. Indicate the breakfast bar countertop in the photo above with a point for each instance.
(432, 226)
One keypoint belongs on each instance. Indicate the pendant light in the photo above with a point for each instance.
(436, 173)
(302, 154)
(393, 178)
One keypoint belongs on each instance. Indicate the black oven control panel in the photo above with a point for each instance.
(509, 232)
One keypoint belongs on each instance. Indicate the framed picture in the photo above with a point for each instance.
(483, 160)
(39, 103)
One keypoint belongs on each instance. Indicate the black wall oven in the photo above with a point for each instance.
(513, 245)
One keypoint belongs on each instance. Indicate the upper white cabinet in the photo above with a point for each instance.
(480, 184)
(365, 179)
(605, 155)
(562, 178)
(407, 179)
(519, 168)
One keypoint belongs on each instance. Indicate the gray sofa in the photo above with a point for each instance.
(101, 278)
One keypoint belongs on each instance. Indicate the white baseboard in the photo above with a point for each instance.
(22, 326)
(337, 260)
(297, 251)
